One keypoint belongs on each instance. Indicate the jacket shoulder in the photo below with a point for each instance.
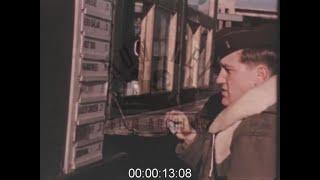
(263, 124)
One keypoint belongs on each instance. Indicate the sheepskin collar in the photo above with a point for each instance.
(255, 101)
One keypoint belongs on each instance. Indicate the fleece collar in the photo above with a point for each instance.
(255, 101)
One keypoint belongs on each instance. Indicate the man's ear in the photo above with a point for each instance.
(263, 73)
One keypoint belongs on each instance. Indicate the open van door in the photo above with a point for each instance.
(88, 98)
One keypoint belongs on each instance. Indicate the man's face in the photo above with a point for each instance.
(235, 78)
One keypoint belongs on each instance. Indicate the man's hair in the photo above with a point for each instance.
(255, 56)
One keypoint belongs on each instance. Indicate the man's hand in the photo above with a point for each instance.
(179, 125)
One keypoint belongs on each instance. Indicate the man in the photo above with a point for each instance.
(241, 141)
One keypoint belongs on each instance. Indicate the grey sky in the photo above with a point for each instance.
(250, 4)
(257, 4)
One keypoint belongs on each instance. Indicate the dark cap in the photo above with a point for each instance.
(232, 39)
